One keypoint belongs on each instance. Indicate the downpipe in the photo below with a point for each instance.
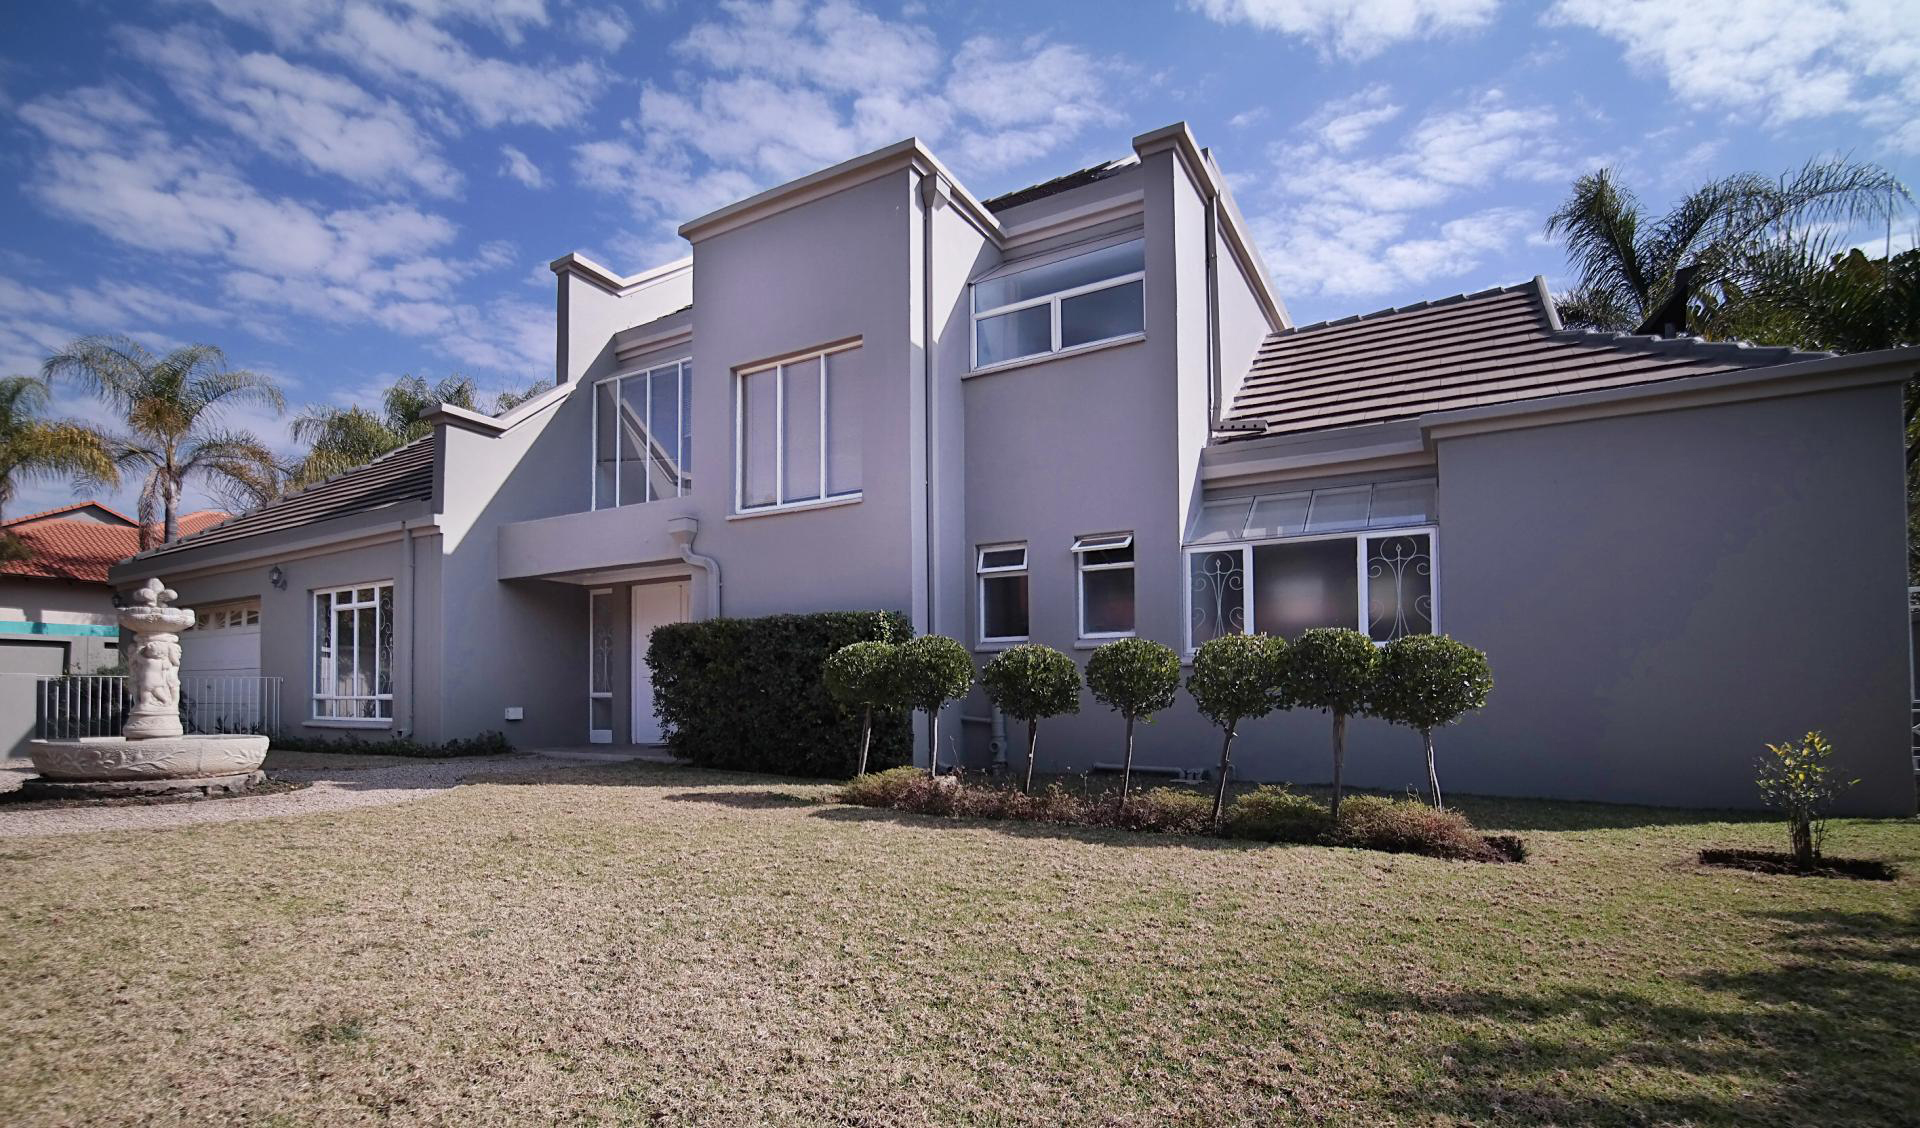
(683, 530)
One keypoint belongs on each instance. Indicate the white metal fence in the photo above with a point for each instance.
(83, 705)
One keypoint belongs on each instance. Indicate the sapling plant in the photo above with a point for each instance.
(1030, 683)
(1136, 678)
(1426, 681)
(1798, 780)
(1235, 678)
(930, 671)
(860, 676)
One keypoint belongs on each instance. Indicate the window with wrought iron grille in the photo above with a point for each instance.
(353, 653)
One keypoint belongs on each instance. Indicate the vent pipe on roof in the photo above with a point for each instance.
(1670, 320)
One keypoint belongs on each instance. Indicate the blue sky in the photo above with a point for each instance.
(337, 193)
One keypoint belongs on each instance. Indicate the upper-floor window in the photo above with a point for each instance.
(797, 430)
(1064, 304)
(642, 436)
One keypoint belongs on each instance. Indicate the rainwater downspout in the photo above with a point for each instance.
(1214, 391)
(413, 635)
(932, 196)
(683, 530)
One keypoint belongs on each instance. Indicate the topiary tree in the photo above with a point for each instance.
(1333, 668)
(860, 676)
(1426, 681)
(1236, 677)
(1137, 678)
(930, 671)
(1031, 682)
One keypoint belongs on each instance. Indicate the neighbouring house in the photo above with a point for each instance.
(56, 607)
(1080, 412)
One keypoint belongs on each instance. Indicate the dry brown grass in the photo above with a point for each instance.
(652, 945)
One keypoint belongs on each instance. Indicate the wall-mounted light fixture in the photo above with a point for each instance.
(277, 578)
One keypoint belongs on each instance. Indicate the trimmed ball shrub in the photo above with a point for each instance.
(1136, 678)
(1169, 810)
(748, 694)
(1274, 814)
(1031, 682)
(861, 676)
(930, 671)
(881, 789)
(1236, 677)
(1426, 681)
(1333, 668)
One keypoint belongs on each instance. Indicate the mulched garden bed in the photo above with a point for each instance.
(22, 801)
(1777, 861)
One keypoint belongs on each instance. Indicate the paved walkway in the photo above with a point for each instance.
(333, 790)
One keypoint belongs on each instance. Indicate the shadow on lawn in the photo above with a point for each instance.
(1023, 828)
(748, 800)
(1824, 1036)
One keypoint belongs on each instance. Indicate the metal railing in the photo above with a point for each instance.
(82, 705)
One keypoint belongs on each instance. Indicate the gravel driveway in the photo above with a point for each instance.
(333, 790)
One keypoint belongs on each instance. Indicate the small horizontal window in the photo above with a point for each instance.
(1102, 543)
(1002, 559)
(1386, 505)
(1068, 303)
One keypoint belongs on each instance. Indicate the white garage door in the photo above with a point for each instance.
(220, 670)
(226, 641)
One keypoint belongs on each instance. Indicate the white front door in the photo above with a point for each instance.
(653, 605)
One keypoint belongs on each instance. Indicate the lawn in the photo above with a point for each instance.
(656, 945)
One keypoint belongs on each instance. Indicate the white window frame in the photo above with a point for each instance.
(596, 735)
(982, 573)
(382, 701)
(685, 366)
(778, 367)
(1054, 299)
(1359, 536)
(1103, 542)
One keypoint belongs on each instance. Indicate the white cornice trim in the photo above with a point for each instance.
(1091, 214)
(901, 155)
(581, 266)
(454, 416)
(239, 555)
(666, 338)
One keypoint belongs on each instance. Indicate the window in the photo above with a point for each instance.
(1003, 592)
(600, 666)
(642, 436)
(1291, 570)
(353, 653)
(1083, 300)
(1106, 585)
(797, 425)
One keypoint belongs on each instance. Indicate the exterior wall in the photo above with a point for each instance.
(1662, 594)
(78, 617)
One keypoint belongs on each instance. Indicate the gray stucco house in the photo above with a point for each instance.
(1078, 412)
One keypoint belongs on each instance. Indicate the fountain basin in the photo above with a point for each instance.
(113, 765)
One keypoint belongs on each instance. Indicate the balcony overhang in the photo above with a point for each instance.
(628, 544)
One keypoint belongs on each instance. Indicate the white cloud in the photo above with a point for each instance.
(1781, 60)
(409, 46)
(1245, 118)
(322, 120)
(786, 87)
(521, 167)
(1340, 223)
(1354, 29)
(605, 28)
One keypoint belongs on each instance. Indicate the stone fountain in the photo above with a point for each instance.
(152, 755)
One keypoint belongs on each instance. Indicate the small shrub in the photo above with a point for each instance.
(1333, 668)
(1236, 677)
(861, 676)
(879, 789)
(930, 671)
(1136, 678)
(1031, 682)
(749, 695)
(1168, 810)
(1426, 681)
(1408, 826)
(1798, 780)
(488, 743)
(1274, 814)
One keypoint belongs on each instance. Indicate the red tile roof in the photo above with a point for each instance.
(83, 550)
(77, 506)
(1496, 346)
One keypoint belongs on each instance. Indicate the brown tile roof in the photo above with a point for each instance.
(1079, 178)
(62, 511)
(1496, 346)
(83, 550)
(401, 476)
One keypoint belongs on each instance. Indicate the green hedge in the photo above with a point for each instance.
(746, 694)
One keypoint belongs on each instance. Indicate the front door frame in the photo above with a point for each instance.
(643, 726)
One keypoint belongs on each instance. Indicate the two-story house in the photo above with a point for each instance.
(1079, 412)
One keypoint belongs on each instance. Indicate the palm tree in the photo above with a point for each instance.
(341, 438)
(35, 448)
(172, 406)
(1627, 263)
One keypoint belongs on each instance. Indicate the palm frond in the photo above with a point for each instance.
(113, 367)
(1600, 223)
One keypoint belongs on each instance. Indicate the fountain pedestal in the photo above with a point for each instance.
(152, 755)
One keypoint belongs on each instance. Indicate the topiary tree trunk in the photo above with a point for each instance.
(933, 743)
(1033, 738)
(866, 737)
(1339, 759)
(1126, 765)
(1226, 761)
(1433, 773)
